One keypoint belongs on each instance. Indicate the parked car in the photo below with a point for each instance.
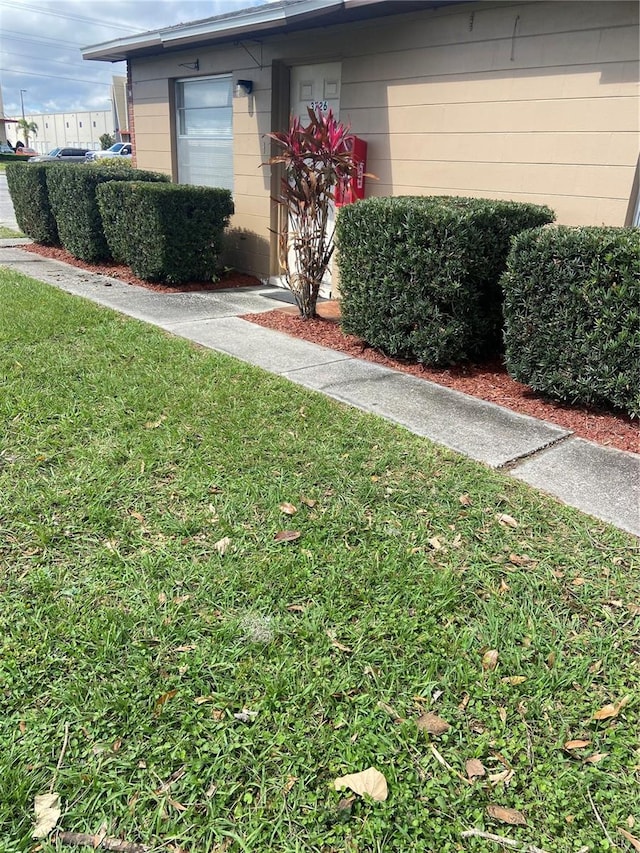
(26, 152)
(120, 149)
(5, 148)
(62, 155)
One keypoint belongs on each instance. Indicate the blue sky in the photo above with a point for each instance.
(41, 40)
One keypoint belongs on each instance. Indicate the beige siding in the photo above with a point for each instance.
(531, 101)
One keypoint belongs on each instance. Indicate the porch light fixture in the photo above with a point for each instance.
(192, 66)
(244, 87)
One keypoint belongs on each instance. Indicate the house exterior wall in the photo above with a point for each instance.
(531, 101)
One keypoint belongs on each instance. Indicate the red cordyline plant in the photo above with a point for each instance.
(316, 158)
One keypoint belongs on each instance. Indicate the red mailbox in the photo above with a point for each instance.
(354, 188)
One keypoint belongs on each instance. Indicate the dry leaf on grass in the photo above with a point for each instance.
(474, 768)
(435, 543)
(507, 520)
(490, 660)
(222, 545)
(576, 744)
(432, 723)
(337, 645)
(370, 781)
(287, 536)
(596, 758)
(155, 424)
(246, 716)
(612, 710)
(503, 776)
(310, 502)
(162, 700)
(514, 680)
(465, 500)
(47, 811)
(287, 508)
(634, 842)
(506, 815)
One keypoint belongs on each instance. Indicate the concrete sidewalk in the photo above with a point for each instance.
(600, 481)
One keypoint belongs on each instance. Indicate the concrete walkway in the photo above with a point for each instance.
(602, 482)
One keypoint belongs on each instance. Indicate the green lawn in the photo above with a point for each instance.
(127, 455)
(9, 232)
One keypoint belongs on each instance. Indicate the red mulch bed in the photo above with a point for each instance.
(122, 272)
(488, 381)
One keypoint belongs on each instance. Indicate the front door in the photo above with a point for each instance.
(317, 87)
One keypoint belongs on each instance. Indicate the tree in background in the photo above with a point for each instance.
(106, 141)
(315, 158)
(29, 128)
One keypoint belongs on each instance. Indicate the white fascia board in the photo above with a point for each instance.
(248, 20)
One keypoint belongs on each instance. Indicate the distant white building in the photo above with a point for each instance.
(76, 129)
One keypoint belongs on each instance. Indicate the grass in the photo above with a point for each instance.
(127, 455)
(9, 232)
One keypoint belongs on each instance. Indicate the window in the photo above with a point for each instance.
(204, 128)
(80, 124)
(67, 124)
(94, 124)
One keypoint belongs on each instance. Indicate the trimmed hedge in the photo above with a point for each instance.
(28, 190)
(72, 192)
(572, 314)
(419, 275)
(165, 232)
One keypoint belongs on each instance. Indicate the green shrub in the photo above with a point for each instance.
(12, 158)
(165, 232)
(72, 191)
(572, 314)
(28, 190)
(419, 276)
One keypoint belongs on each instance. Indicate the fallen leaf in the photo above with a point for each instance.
(634, 842)
(519, 559)
(609, 711)
(474, 768)
(211, 790)
(390, 711)
(155, 424)
(162, 700)
(291, 781)
(576, 744)
(502, 713)
(504, 587)
(435, 543)
(296, 608)
(514, 679)
(490, 660)
(369, 781)
(176, 805)
(287, 508)
(138, 516)
(432, 723)
(287, 536)
(47, 811)
(200, 700)
(246, 716)
(504, 776)
(115, 746)
(162, 598)
(506, 815)
(507, 520)
(338, 645)
(465, 500)
(217, 714)
(181, 649)
(222, 545)
(578, 581)
(180, 599)
(310, 502)
(596, 757)
(22, 726)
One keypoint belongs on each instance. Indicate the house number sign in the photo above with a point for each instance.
(323, 106)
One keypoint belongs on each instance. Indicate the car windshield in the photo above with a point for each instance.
(53, 152)
(116, 148)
